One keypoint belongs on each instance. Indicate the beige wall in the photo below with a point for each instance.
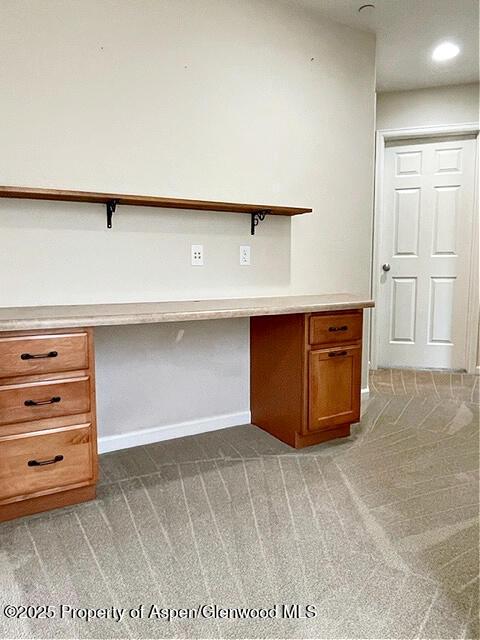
(426, 107)
(245, 100)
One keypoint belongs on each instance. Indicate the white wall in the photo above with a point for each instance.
(242, 100)
(181, 377)
(426, 107)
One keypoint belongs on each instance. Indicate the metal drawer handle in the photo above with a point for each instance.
(342, 328)
(41, 463)
(35, 403)
(36, 356)
(334, 354)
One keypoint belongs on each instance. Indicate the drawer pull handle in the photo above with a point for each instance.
(342, 328)
(334, 354)
(38, 403)
(36, 356)
(41, 463)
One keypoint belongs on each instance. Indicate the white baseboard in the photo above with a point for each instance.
(364, 395)
(170, 431)
(167, 432)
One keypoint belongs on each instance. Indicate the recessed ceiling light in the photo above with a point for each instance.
(445, 51)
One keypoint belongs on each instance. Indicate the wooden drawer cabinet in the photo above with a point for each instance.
(45, 461)
(334, 382)
(48, 439)
(35, 400)
(29, 355)
(306, 375)
(335, 328)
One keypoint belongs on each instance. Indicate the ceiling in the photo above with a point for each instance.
(407, 31)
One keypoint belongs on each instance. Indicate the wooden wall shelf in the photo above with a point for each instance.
(257, 212)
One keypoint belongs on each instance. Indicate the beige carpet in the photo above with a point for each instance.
(379, 532)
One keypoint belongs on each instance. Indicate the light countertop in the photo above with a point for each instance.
(93, 315)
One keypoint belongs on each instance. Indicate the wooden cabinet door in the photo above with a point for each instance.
(334, 386)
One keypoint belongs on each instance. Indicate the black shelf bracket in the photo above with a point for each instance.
(111, 206)
(258, 216)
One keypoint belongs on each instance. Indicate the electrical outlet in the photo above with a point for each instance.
(197, 255)
(245, 253)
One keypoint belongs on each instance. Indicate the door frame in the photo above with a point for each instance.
(382, 137)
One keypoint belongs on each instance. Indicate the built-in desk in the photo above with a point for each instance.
(305, 383)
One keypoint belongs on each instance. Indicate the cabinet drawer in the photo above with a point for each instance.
(36, 400)
(335, 328)
(45, 461)
(27, 355)
(334, 386)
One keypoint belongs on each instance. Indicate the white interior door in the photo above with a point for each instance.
(425, 245)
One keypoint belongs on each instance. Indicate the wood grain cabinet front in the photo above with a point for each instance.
(48, 436)
(44, 399)
(306, 375)
(335, 328)
(39, 354)
(45, 461)
(334, 384)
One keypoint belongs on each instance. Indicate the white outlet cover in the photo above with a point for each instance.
(245, 255)
(197, 255)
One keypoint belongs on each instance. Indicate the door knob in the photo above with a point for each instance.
(386, 267)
